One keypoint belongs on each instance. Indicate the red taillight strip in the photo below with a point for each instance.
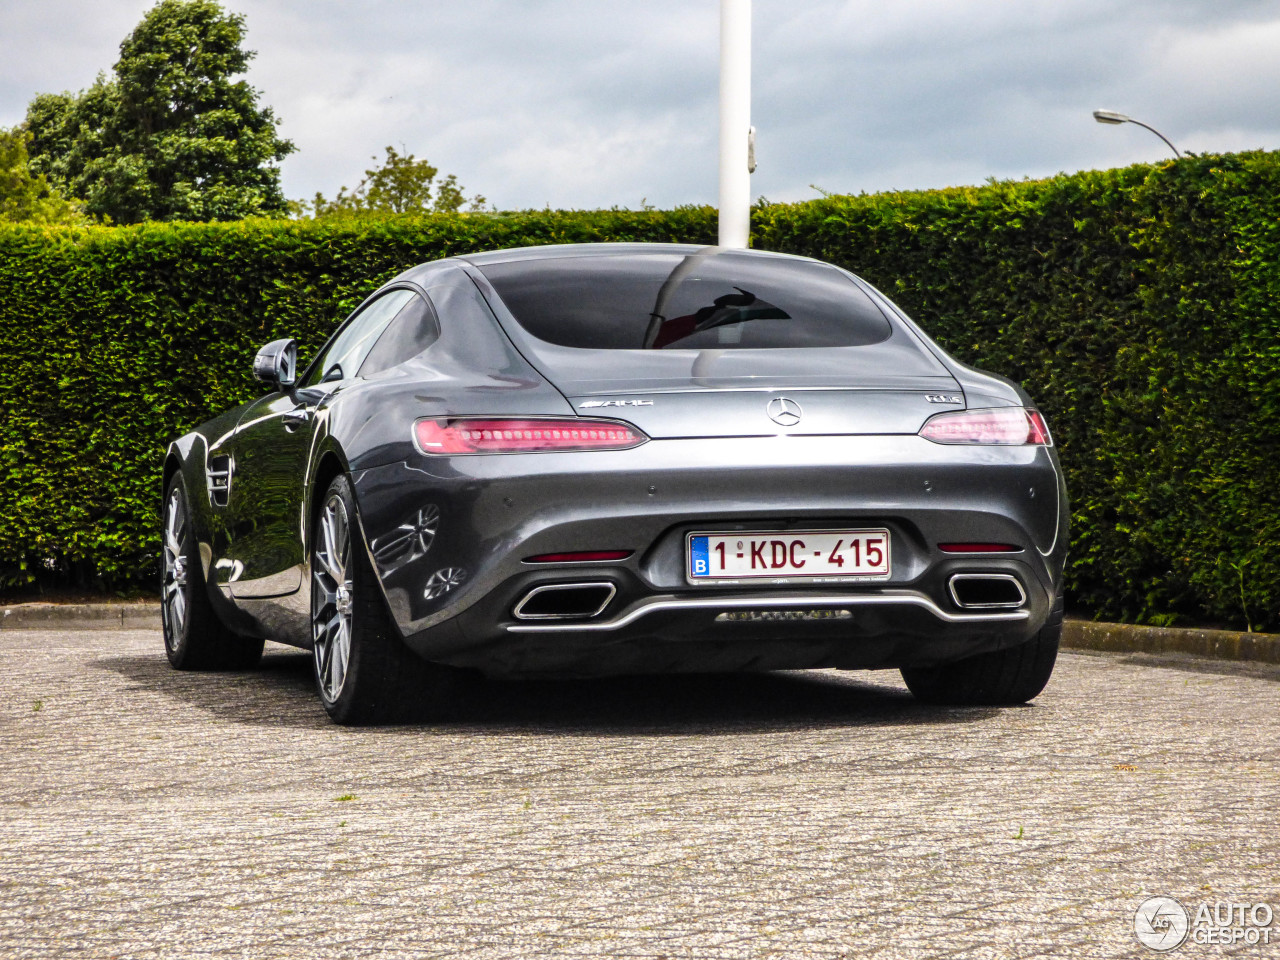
(579, 557)
(1039, 433)
(979, 548)
(1011, 426)
(462, 435)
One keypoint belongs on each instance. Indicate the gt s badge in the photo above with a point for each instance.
(944, 398)
(615, 403)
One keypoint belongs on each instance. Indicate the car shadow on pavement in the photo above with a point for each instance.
(706, 704)
(280, 692)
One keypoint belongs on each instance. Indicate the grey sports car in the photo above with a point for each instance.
(619, 458)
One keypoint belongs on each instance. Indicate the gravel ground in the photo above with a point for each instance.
(147, 813)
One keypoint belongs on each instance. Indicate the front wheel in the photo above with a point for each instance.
(364, 673)
(999, 678)
(194, 637)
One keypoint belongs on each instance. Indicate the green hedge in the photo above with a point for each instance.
(1138, 306)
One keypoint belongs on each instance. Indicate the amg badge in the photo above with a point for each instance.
(615, 403)
(771, 616)
(944, 398)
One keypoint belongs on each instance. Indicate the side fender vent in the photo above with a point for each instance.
(219, 480)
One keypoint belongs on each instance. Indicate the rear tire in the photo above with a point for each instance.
(1000, 678)
(194, 637)
(364, 672)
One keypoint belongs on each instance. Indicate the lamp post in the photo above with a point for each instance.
(736, 163)
(1110, 116)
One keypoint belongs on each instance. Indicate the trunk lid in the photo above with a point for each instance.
(886, 388)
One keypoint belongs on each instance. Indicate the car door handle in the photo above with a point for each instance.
(296, 417)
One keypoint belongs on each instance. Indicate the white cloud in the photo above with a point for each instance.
(591, 103)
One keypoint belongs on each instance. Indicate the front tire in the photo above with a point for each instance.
(364, 673)
(194, 637)
(1001, 678)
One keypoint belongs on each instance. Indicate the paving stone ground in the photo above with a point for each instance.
(149, 813)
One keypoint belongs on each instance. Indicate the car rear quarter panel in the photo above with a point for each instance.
(191, 452)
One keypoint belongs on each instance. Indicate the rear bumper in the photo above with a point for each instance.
(759, 631)
(453, 590)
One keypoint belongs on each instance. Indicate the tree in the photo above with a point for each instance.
(26, 197)
(402, 184)
(171, 136)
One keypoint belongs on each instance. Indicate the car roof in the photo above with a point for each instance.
(424, 271)
(556, 251)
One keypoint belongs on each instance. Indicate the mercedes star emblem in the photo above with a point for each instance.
(784, 411)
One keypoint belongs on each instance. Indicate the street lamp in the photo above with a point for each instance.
(1110, 116)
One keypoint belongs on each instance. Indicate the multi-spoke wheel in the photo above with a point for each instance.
(331, 598)
(363, 670)
(194, 637)
(173, 584)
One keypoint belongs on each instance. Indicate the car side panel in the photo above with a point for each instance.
(193, 451)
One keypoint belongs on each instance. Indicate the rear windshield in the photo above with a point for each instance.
(714, 300)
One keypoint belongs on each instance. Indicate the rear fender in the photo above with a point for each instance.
(188, 456)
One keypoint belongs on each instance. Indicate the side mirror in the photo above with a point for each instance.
(277, 363)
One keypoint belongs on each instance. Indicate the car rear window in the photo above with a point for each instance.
(718, 300)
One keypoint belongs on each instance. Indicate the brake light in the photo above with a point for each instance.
(544, 435)
(1006, 425)
(582, 556)
(979, 548)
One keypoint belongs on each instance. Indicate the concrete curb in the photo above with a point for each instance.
(1076, 634)
(1131, 638)
(142, 615)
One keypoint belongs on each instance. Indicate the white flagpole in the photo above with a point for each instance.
(735, 122)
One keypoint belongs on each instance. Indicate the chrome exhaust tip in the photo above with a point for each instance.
(986, 591)
(565, 601)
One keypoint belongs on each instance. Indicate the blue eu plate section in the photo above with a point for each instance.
(699, 557)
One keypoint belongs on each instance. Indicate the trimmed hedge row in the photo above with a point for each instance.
(1138, 306)
(113, 340)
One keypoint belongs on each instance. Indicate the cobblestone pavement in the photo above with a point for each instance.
(147, 813)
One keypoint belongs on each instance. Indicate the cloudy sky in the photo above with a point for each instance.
(597, 103)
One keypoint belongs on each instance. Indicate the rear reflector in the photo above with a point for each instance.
(979, 548)
(1002, 425)
(543, 435)
(580, 557)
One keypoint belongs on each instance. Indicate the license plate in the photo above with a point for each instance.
(789, 555)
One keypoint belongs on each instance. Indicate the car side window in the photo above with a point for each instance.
(410, 332)
(344, 354)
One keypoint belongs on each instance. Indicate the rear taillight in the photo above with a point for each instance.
(1007, 425)
(544, 435)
